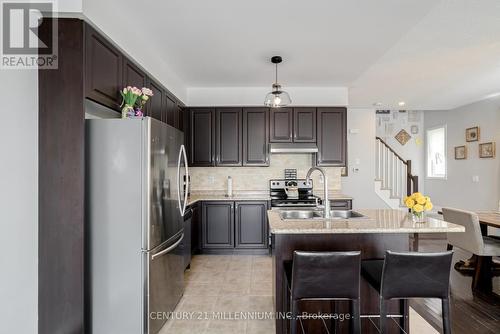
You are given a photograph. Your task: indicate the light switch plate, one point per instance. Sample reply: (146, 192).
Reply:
(475, 178)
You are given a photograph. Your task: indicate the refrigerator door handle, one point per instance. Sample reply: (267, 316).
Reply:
(186, 188)
(179, 183)
(168, 249)
(182, 155)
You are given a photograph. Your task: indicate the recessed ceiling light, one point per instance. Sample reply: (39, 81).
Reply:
(377, 104)
(401, 103)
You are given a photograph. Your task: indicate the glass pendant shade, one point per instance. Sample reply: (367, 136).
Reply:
(277, 98)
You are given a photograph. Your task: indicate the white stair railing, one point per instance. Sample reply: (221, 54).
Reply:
(393, 172)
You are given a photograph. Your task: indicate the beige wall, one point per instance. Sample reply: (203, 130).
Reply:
(257, 178)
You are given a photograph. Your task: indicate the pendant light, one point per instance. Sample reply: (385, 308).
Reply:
(277, 98)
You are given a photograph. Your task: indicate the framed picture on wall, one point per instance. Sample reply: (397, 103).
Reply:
(460, 152)
(487, 150)
(472, 134)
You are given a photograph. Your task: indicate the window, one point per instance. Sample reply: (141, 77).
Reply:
(436, 152)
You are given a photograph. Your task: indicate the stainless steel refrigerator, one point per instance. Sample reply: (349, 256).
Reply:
(135, 202)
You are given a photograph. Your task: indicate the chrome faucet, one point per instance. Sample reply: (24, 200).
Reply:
(326, 201)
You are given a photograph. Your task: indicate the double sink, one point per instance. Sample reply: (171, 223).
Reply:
(318, 214)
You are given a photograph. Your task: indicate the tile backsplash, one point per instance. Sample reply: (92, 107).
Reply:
(257, 178)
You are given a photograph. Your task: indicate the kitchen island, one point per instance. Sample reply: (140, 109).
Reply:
(372, 234)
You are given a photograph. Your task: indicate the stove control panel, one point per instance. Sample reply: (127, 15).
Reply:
(281, 184)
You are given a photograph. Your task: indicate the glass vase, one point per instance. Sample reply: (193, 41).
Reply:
(418, 217)
(127, 110)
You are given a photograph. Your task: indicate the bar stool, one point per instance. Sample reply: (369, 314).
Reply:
(323, 276)
(410, 275)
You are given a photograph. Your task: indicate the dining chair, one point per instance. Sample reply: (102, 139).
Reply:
(472, 241)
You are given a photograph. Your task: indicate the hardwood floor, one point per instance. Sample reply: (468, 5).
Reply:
(470, 314)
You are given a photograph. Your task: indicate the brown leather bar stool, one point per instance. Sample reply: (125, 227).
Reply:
(322, 276)
(410, 275)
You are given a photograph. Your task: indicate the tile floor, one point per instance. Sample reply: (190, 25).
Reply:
(220, 287)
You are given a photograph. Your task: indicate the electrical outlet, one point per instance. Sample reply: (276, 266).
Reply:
(475, 178)
(211, 179)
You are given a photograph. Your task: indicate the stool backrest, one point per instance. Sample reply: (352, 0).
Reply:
(414, 275)
(326, 275)
(471, 240)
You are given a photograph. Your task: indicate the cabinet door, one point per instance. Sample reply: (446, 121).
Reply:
(156, 105)
(171, 110)
(332, 136)
(255, 137)
(179, 117)
(132, 75)
(202, 137)
(304, 125)
(195, 230)
(103, 77)
(251, 224)
(218, 224)
(228, 137)
(281, 125)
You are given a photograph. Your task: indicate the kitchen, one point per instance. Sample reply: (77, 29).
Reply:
(195, 196)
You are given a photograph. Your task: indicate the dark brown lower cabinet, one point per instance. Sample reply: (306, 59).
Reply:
(195, 230)
(228, 224)
(251, 224)
(218, 224)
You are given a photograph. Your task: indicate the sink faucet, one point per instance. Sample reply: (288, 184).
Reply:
(326, 201)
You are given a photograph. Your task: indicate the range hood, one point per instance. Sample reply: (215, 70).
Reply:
(294, 148)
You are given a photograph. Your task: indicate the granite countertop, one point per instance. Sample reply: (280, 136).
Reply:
(248, 196)
(376, 221)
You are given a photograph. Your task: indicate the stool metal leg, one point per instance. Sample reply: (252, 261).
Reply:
(294, 323)
(404, 320)
(383, 316)
(445, 303)
(356, 319)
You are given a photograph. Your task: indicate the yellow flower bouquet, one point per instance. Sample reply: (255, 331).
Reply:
(418, 204)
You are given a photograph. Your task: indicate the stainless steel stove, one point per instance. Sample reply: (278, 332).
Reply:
(278, 192)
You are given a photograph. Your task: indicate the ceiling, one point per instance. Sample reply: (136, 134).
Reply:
(431, 54)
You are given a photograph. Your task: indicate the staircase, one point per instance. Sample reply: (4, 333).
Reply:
(393, 177)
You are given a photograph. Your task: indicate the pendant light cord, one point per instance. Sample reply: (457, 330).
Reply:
(276, 81)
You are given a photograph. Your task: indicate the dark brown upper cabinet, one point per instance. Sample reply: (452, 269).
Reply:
(179, 117)
(256, 136)
(202, 137)
(289, 125)
(281, 125)
(171, 111)
(228, 137)
(103, 73)
(304, 125)
(132, 75)
(156, 105)
(332, 136)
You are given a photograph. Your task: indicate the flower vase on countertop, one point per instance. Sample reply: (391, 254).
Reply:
(418, 204)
